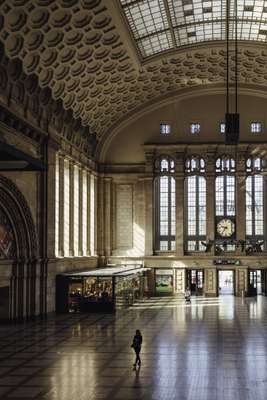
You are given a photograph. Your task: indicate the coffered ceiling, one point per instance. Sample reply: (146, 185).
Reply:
(85, 54)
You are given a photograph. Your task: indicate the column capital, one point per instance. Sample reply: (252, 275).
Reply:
(149, 160)
(241, 162)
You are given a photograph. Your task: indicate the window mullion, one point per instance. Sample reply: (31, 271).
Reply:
(253, 204)
(224, 195)
(169, 213)
(197, 211)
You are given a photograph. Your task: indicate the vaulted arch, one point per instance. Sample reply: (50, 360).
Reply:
(19, 250)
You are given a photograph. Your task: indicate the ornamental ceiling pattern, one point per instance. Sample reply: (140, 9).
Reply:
(75, 49)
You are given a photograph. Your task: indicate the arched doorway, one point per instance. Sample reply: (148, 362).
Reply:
(18, 255)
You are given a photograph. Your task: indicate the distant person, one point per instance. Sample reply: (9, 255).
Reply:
(136, 345)
(187, 295)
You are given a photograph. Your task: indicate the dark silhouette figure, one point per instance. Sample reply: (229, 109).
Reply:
(136, 345)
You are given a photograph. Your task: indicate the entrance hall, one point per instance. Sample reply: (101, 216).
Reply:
(226, 282)
(202, 351)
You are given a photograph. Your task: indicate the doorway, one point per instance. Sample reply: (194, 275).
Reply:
(226, 282)
(195, 281)
(256, 282)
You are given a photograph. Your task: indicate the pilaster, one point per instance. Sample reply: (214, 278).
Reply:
(61, 207)
(179, 197)
(71, 208)
(210, 282)
(107, 215)
(80, 245)
(95, 225)
(210, 199)
(241, 197)
(148, 187)
(88, 226)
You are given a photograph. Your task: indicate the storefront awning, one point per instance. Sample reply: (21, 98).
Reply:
(122, 270)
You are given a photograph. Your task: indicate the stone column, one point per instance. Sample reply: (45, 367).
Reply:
(61, 207)
(241, 281)
(210, 200)
(88, 250)
(210, 282)
(99, 221)
(179, 197)
(80, 246)
(107, 215)
(180, 281)
(51, 176)
(240, 199)
(95, 179)
(71, 206)
(148, 187)
(179, 194)
(151, 282)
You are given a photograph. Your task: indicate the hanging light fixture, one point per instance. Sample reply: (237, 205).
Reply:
(231, 119)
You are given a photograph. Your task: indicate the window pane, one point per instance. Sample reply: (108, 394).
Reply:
(219, 190)
(76, 211)
(92, 215)
(84, 217)
(66, 208)
(230, 195)
(167, 211)
(254, 206)
(196, 210)
(163, 245)
(56, 206)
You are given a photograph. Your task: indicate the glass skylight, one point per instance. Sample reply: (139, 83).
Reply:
(161, 25)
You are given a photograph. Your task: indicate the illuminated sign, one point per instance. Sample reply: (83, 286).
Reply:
(226, 261)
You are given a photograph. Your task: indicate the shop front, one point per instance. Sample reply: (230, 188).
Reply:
(101, 290)
(163, 282)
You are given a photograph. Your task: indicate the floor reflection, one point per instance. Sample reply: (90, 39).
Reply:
(213, 348)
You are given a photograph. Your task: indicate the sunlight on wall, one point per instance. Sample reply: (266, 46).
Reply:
(139, 239)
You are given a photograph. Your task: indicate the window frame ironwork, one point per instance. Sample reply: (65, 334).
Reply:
(171, 223)
(195, 167)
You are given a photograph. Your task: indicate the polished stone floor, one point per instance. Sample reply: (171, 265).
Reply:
(211, 349)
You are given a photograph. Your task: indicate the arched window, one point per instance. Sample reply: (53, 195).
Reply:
(165, 204)
(225, 208)
(194, 164)
(195, 189)
(255, 189)
(225, 164)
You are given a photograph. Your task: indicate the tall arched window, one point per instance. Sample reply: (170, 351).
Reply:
(225, 208)
(165, 204)
(255, 188)
(195, 187)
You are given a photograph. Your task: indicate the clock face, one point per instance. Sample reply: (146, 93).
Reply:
(225, 227)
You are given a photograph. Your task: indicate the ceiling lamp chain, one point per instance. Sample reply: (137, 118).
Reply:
(231, 119)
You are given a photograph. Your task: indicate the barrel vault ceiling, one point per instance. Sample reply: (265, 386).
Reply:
(78, 49)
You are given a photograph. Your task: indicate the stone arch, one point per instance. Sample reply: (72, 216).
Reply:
(22, 264)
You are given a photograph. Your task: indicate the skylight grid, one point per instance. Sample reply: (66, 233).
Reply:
(154, 44)
(188, 11)
(146, 17)
(156, 23)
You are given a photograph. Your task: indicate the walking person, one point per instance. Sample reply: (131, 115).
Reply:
(136, 345)
(187, 295)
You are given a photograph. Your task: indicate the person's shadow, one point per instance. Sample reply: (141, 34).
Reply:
(136, 382)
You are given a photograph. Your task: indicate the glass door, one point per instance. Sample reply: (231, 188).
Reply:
(252, 283)
(226, 282)
(263, 282)
(195, 281)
